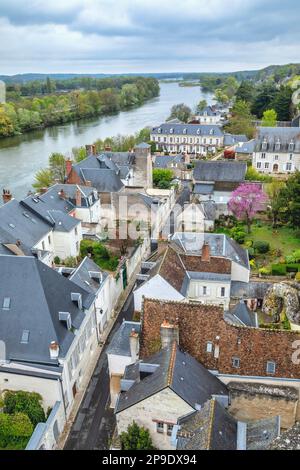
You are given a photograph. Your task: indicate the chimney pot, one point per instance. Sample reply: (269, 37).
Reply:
(54, 350)
(6, 196)
(90, 149)
(69, 164)
(134, 345)
(205, 256)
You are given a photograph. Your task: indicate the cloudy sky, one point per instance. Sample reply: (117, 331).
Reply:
(115, 36)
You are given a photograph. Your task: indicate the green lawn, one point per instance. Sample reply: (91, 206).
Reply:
(283, 238)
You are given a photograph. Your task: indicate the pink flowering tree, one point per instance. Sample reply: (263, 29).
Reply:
(246, 201)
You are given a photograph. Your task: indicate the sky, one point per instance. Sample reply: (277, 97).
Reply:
(122, 36)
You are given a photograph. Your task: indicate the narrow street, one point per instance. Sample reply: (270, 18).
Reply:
(95, 421)
(183, 197)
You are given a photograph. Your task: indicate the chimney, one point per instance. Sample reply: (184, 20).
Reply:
(62, 194)
(88, 183)
(69, 164)
(78, 197)
(54, 350)
(169, 332)
(90, 149)
(205, 256)
(134, 345)
(6, 196)
(18, 242)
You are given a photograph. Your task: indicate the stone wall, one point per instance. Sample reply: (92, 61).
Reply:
(251, 401)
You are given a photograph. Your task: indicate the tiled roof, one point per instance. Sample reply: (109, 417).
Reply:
(208, 130)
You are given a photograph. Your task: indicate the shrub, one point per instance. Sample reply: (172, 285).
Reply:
(25, 402)
(297, 277)
(265, 271)
(278, 269)
(238, 234)
(57, 260)
(293, 267)
(70, 262)
(261, 246)
(136, 438)
(15, 430)
(251, 252)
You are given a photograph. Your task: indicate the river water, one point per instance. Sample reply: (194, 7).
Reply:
(22, 156)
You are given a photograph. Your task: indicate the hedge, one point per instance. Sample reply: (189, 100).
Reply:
(283, 269)
(27, 403)
(261, 246)
(15, 431)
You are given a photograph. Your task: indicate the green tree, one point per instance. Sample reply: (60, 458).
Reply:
(241, 120)
(79, 153)
(282, 103)
(269, 118)
(43, 179)
(221, 97)
(29, 403)
(161, 177)
(201, 105)
(6, 126)
(136, 438)
(180, 111)
(273, 191)
(15, 431)
(290, 201)
(57, 165)
(245, 92)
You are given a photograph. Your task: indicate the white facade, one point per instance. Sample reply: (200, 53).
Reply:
(158, 288)
(67, 243)
(206, 119)
(187, 143)
(89, 215)
(272, 162)
(210, 292)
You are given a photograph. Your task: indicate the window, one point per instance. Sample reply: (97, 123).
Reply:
(169, 429)
(204, 290)
(291, 156)
(76, 231)
(288, 167)
(25, 337)
(6, 303)
(258, 165)
(271, 367)
(236, 362)
(209, 347)
(43, 245)
(276, 157)
(263, 155)
(77, 246)
(160, 427)
(222, 291)
(49, 239)
(266, 165)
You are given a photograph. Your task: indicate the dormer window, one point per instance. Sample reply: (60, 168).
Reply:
(184, 130)
(264, 144)
(6, 303)
(77, 297)
(198, 131)
(171, 131)
(277, 145)
(159, 130)
(291, 146)
(66, 318)
(211, 132)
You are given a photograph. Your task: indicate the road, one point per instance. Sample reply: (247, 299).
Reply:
(95, 421)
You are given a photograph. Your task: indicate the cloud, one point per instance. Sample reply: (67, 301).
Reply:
(153, 35)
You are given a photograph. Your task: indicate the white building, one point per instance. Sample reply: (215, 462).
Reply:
(195, 267)
(187, 138)
(48, 332)
(210, 115)
(277, 150)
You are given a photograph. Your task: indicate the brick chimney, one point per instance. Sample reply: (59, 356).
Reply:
(90, 149)
(69, 164)
(54, 350)
(6, 196)
(78, 197)
(205, 256)
(62, 194)
(169, 332)
(134, 345)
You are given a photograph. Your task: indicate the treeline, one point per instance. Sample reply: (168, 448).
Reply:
(26, 114)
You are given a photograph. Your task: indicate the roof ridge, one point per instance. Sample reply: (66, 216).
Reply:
(211, 416)
(172, 364)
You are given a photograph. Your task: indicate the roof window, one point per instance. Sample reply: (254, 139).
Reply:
(6, 303)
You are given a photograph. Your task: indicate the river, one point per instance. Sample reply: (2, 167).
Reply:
(22, 156)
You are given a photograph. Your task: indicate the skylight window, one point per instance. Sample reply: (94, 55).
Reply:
(25, 337)
(12, 225)
(26, 214)
(6, 303)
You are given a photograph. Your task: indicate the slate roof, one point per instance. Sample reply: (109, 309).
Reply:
(119, 345)
(220, 245)
(35, 307)
(209, 111)
(178, 371)
(220, 171)
(164, 161)
(191, 129)
(246, 147)
(241, 314)
(289, 440)
(104, 180)
(204, 189)
(285, 135)
(213, 428)
(231, 139)
(17, 223)
(82, 277)
(250, 290)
